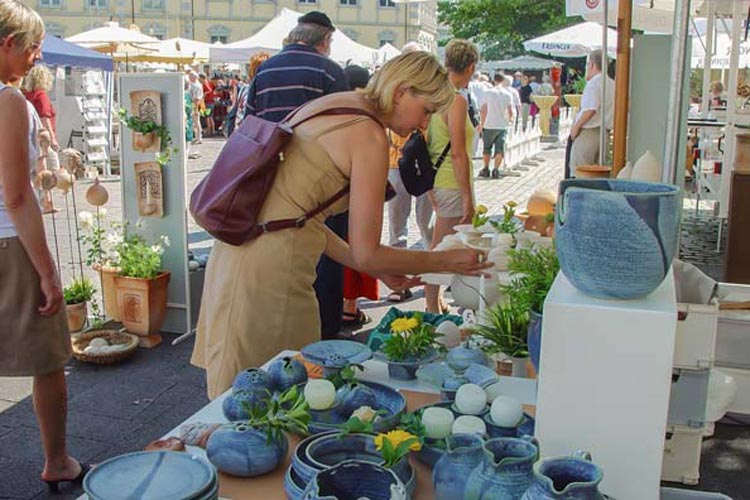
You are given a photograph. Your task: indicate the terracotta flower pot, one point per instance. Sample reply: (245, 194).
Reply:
(142, 142)
(77, 315)
(109, 294)
(593, 172)
(142, 303)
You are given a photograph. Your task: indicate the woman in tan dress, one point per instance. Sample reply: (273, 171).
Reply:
(258, 298)
(34, 338)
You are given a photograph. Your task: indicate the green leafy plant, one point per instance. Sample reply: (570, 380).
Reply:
(137, 124)
(395, 445)
(579, 85)
(346, 375)
(288, 412)
(533, 270)
(79, 291)
(411, 422)
(480, 217)
(138, 259)
(411, 338)
(505, 329)
(508, 224)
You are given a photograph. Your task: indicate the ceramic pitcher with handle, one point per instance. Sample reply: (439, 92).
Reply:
(506, 470)
(566, 478)
(463, 454)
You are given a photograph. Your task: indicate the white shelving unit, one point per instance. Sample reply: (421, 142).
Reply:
(94, 109)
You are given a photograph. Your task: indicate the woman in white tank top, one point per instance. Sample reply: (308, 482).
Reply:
(34, 338)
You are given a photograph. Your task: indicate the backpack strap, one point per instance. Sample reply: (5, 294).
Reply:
(442, 156)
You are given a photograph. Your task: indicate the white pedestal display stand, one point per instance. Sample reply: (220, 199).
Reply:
(173, 223)
(604, 384)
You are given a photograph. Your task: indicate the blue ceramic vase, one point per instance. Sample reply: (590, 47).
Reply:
(459, 358)
(616, 239)
(449, 475)
(534, 338)
(407, 369)
(252, 380)
(235, 405)
(240, 450)
(566, 478)
(352, 479)
(286, 372)
(506, 470)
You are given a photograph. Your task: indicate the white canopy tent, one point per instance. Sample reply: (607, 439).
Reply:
(271, 36)
(573, 41)
(526, 63)
(121, 43)
(386, 52)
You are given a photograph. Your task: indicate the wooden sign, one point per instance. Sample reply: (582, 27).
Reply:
(150, 189)
(146, 105)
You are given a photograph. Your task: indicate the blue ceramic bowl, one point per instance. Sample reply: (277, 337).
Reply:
(293, 485)
(336, 354)
(433, 449)
(406, 370)
(352, 479)
(616, 239)
(524, 428)
(386, 398)
(480, 375)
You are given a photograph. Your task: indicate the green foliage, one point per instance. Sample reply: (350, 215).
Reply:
(579, 85)
(346, 375)
(412, 423)
(696, 83)
(136, 124)
(288, 412)
(80, 290)
(500, 27)
(533, 271)
(412, 343)
(508, 224)
(138, 259)
(506, 329)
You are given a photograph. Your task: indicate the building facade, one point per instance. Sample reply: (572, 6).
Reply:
(369, 22)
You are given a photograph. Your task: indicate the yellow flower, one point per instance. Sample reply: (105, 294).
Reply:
(481, 209)
(512, 204)
(396, 437)
(400, 325)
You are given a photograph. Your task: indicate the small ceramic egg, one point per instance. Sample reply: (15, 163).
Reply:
(493, 391)
(438, 422)
(471, 399)
(320, 394)
(451, 336)
(193, 265)
(469, 424)
(98, 342)
(506, 411)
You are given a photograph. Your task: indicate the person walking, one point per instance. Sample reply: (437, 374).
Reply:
(209, 97)
(34, 338)
(195, 89)
(584, 143)
(36, 86)
(258, 298)
(496, 114)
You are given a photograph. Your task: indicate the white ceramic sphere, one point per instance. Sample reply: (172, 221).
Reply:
(506, 411)
(98, 342)
(438, 422)
(469, 424)
(451, 336)
(320, 394)
(471, 399)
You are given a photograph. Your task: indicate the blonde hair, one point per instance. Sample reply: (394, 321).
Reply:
(22, 22)
(420, 71)
(39, 78)
(460, 54)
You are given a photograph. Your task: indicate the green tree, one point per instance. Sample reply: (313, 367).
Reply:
(501, 26)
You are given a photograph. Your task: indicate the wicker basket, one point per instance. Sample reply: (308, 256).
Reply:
(113, 337)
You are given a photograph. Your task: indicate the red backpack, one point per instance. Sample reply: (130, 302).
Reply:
(227, 202)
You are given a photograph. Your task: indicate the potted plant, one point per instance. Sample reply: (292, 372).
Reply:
(141, 285)
(533, 271)
(100, 238)
(412, 343)
(574, 99)
(259, 445)
(76, 296)
(146, 132)
(504, 328)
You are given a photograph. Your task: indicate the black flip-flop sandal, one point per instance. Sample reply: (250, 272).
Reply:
(54, 486)
(355, 319)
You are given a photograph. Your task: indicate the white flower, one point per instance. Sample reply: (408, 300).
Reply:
(86, 219)
(165, 240)
(102, 213)
(114, 239)
(157, 249)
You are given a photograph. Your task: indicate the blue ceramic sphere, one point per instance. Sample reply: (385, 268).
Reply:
(286, 372)
(234, 406)
(240, 450)
(616, 239)
(252, 380)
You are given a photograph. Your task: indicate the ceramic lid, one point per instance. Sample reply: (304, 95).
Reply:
(336, 353)
(151, 475)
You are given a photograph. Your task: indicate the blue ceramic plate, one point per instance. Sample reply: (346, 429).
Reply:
(386, 398)
(150, 475)
(336, 353)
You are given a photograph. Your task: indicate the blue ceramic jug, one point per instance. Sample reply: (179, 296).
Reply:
(506, 470)
(566, 478)
(463, 454)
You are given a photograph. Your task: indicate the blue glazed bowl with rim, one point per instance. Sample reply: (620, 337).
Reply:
(616, 239)
(352, 479)
(524, 428)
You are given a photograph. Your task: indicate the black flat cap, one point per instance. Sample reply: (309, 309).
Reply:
(317, 17)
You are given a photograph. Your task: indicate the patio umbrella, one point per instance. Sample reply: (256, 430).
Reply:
(573, 41)
(176, 51)
(527, 63)
(121, 43)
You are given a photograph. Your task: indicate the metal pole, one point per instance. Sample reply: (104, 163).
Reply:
(709, 48)
(673, 157)
(132, 11)
(602, 107)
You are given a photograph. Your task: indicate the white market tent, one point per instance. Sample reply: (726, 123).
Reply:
(271, 36)
(573, 41)
(526, 63)
(176, 50)
(120, 43)
(387, 52)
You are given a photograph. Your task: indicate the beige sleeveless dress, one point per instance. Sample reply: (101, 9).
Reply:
(258, 298)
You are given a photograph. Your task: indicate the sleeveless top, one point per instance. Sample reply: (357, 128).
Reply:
(439, 136)
(7, 229)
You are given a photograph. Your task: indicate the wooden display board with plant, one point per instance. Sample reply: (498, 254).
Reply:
(148, 127)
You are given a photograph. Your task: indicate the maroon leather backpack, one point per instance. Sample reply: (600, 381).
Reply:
(227, 202)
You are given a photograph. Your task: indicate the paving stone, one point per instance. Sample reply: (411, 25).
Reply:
(23, 444)
(15, 388)
(124, 400)
(19, 478)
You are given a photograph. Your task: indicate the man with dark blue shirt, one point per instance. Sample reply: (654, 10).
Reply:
(299, 73)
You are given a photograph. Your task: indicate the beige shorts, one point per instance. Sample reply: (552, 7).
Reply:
(448, 203)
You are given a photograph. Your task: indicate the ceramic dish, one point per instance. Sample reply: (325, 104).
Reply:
(336, 353)
(524, 427)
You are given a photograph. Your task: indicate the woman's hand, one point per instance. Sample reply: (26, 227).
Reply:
(398, 283)
(466, 261)
(52, 295)
(468, 210)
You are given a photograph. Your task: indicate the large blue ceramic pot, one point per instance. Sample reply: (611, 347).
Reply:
(241, 450)
(352, 479)
(534, 338)
(566, 478)
(616, 239)
(506, 471)
(450, 473)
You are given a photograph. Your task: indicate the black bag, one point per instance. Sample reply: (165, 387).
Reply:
(415, 165)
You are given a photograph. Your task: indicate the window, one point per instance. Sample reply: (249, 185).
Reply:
(387, 3)
(218, 33)
(155, 30)
(307, 1)
(97, 4)
(55, 29)
(351, 34)
(50, 4)
(153, 4)
(218, 38)
(387, 37)
(351, 3)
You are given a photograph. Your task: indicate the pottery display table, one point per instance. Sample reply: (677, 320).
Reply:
(271, 486)
(545, 103)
